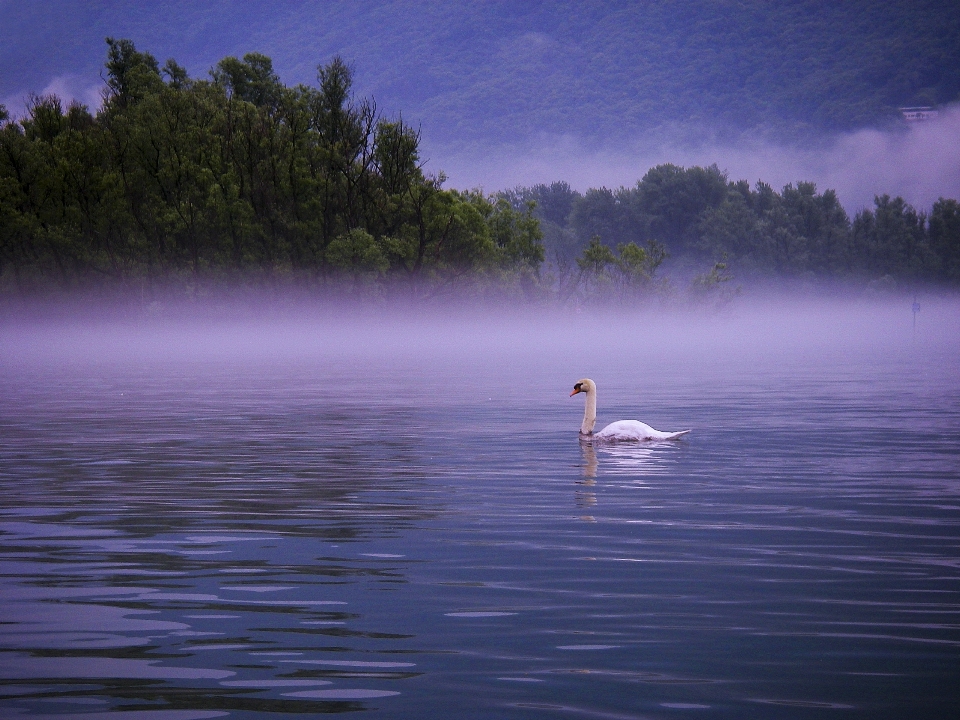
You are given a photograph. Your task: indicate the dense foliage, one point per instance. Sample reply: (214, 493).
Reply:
(183, 182)
(699, 217)
(505, 70)
(178, 180)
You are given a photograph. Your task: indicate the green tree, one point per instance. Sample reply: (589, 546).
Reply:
(252, 80)
(131, 75)
(597, 213)
(945, 238)
(732, 229)
(714, 286)
(891, 240)
(668, 203)
(823, 227)
(361, 259)
(625, 276)
(516, 234)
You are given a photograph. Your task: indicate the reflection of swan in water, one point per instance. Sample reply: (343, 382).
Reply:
(622, 459)
(589, 462)
(586, 498)
(619, 431)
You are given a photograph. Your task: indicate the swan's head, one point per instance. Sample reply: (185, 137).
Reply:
(586, 385)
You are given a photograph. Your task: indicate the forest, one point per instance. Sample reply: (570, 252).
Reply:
(238, 179)
(697, 216)
(177, 184)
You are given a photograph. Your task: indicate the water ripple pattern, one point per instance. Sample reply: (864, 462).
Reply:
(388, 526)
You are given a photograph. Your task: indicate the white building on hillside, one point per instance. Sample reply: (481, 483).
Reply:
(919, 114)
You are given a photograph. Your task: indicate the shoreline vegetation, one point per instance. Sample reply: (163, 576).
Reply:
(183, 187)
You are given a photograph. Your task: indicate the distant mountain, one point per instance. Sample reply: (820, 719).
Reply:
(502, 70)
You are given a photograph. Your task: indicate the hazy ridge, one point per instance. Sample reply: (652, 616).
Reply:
(498, 72)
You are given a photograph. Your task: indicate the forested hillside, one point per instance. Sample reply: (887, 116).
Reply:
(507, 71)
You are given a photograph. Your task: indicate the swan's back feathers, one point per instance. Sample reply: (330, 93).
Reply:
(627, 430)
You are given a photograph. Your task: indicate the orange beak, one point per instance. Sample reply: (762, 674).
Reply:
(575, 391)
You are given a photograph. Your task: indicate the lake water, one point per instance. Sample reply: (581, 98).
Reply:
(396, 518)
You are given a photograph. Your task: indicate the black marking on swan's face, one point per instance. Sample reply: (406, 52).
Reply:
(578, 387)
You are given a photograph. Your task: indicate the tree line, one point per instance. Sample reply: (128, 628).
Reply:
(177, 180)
(237, 178)
(699, 217)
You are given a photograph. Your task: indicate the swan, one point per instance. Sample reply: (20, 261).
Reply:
(619, 431)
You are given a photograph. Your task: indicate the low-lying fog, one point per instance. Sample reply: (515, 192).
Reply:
(545, 350)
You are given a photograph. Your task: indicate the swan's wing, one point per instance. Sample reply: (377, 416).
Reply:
(627, 430)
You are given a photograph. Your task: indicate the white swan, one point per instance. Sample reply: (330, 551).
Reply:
(619, 431)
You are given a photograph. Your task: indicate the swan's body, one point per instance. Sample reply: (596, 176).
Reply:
(619, 431)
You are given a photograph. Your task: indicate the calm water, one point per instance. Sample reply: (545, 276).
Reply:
(397, 519)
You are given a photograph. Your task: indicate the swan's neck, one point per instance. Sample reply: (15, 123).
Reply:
(589, 413)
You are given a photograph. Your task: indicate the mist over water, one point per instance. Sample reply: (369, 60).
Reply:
(438, 336)
(316, 508)
(919, 162)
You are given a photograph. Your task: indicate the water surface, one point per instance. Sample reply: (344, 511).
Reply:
(396, 518)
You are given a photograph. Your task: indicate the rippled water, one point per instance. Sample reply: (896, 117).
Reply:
(252, 521)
